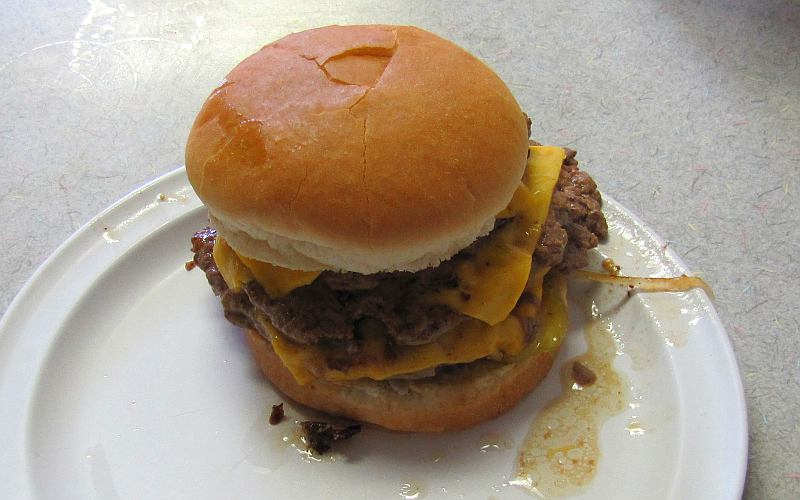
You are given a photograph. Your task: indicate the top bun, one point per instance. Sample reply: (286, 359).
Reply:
(357, 148)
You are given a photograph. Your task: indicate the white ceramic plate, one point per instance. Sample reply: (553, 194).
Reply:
(119, 378)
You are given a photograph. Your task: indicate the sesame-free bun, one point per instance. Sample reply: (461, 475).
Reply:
(474, 393)
(357, 148)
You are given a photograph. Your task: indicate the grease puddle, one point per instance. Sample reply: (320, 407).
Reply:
(560, 455)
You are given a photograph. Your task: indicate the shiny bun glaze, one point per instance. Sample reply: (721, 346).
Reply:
(357, 148)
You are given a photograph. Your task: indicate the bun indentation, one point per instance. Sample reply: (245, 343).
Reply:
(357, 69)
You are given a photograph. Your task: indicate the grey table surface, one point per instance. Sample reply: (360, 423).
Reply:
(686, 112)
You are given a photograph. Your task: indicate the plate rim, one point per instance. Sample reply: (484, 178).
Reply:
(38, 278)
(740, 402)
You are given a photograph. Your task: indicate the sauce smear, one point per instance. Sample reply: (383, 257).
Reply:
(559, 456)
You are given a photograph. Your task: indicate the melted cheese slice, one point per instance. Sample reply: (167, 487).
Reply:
(237, 270)
(468, 342)
(491, 281)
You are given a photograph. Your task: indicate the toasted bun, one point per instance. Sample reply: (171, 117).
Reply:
(358, 148)
(474, 393)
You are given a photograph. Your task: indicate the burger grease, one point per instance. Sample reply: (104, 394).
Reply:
(378, 214)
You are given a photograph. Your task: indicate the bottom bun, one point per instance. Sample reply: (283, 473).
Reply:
(460, 397)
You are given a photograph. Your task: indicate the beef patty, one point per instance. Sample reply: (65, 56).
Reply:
(330, 309)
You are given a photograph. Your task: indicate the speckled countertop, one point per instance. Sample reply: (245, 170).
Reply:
(686, 112)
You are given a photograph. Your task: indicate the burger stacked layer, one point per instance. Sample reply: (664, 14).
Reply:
(382, 228)
(482, 304)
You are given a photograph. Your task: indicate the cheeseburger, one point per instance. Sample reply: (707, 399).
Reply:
(383, 229)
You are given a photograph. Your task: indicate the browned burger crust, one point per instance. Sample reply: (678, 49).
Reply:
(471, 394)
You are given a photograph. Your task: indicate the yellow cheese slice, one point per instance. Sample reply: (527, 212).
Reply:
(534, 287)
(552, 323)
(237, 270)
(278, 281)
(468, 342)
(491, 281)
(232, 269)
